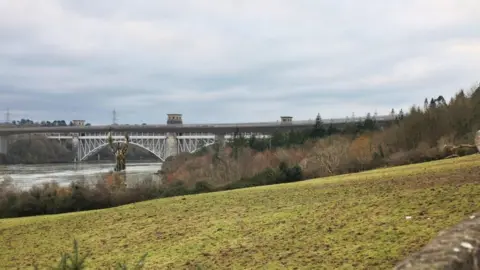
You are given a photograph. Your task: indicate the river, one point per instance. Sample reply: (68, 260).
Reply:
(24, 176)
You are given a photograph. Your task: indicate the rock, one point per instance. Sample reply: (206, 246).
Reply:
(455, 248)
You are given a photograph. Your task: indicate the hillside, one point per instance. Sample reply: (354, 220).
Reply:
(427, 132)
(39, 150)
(355, 221)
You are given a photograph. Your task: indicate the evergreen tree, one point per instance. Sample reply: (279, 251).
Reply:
(441, 100)
(251, 141)
(331, 129)
(318, 131)
(238, 142)
(278, 139)
(369, 123)
(392, 113)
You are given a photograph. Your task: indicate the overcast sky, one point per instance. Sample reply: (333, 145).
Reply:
(229, 61)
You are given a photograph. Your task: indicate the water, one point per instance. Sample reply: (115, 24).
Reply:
(25, 176)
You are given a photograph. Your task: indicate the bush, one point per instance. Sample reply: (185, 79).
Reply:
(269, 176)
(177, 188)
(202, 187)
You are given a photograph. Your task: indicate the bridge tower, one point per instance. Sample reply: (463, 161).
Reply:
(174, 118)
(171, 142)
(286, 119)
(3, 145)
(220, 139)
(76, 148)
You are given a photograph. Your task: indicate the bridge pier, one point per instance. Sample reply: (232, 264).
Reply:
(171, 145)
(171, 142)
(220, 139)
(4, 145)
(76, 149)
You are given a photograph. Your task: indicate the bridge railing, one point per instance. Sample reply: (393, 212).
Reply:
(134, 136)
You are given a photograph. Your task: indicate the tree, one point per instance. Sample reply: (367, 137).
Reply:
(369, 123)
(238, 142)
(278, 139)
(331, 130)
(441, 100)
(401, 115)
(330, 155)
(295, 138)
(252, 140)
(318, 131)
(362, 149)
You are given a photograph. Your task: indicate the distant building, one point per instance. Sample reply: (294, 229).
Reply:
(79, 123)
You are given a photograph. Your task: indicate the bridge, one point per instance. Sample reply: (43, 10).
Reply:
(165, 140)
(161, 145)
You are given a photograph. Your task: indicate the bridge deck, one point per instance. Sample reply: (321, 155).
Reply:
(185, 128)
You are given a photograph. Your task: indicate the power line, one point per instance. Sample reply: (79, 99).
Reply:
(7, 116)
(114, 117)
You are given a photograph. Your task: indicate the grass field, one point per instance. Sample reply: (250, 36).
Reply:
(355, 221)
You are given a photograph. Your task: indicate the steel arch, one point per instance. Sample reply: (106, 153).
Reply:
(95, 150)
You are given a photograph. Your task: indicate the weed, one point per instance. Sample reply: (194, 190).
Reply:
(75, 261)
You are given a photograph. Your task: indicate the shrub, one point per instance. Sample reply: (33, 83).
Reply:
(202, 187)
(75, 261)
(177, 188)
(269, 176)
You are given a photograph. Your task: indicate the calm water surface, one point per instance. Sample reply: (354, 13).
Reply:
(25, 176)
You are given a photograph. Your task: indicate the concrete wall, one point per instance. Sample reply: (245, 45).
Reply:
(3, 145)
(220, 139)
(454, 248)
(171, 145)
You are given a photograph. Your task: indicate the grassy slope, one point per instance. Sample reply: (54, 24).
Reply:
(355, 221)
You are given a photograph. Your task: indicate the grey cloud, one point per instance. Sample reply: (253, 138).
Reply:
(217, 61)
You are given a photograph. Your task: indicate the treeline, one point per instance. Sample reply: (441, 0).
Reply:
(31, 149)
(34, 149)
(421, 134)
(438, 121)
(281, 139)
(54, 123)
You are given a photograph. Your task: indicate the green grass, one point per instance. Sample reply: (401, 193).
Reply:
(354, 221)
